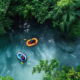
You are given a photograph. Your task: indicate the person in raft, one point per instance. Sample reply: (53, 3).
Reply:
(23, 58)
(31, 41)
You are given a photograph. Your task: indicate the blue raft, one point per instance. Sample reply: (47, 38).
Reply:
(19, 56)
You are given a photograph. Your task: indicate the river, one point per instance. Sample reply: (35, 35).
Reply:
(50, 46)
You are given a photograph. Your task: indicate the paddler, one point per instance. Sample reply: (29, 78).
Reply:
(23, 58)
(31, 40)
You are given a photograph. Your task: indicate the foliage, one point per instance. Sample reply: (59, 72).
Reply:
(4, 21)
(44, 9)
(27, 11)
(78, 68)
(66, 68)
(21, 8)
(75, 32)
(64, 3)
(41, 11)
(4, 4)
(67, 73)
(63, 13)
(6, 78)
(47, 68)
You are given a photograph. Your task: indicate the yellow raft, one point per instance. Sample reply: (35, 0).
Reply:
(28, 42)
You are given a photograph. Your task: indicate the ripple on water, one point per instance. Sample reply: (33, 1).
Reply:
(45, 49)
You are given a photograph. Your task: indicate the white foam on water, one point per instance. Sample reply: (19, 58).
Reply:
(8, 54)
(73, 56)
(24, 72)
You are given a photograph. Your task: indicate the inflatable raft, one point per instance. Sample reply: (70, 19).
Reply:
(34, 42)
(19, 56)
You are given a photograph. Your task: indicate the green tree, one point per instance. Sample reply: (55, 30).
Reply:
(78, 68)
(4, 20)
(47, 68)
(6, 78)
(65, 14)
(75, 30)
(43, 9)
(67, 73)
(21, 8)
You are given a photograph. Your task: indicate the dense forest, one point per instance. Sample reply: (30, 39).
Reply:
(64, 14)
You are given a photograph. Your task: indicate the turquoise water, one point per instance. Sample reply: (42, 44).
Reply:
(47, 48)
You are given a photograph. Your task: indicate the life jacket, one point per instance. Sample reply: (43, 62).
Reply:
(23, 58)
(29, 42)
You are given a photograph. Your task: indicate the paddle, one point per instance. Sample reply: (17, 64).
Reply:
(21, 62)
(25, 39)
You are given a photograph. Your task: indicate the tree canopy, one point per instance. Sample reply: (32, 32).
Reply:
(6, 78)
(64, 14)
(66, 73)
